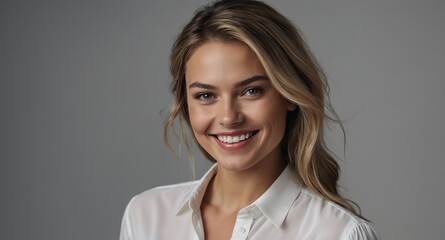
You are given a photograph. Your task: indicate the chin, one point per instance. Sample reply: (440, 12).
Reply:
(236, 164)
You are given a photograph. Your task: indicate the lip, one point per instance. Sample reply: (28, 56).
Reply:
(234, 133)
(234, 146)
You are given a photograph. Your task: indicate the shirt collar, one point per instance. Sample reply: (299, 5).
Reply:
(276, 202)
(192, 197)
(274, 208)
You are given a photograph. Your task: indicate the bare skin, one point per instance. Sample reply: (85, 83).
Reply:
(228, 193)
(230, 97)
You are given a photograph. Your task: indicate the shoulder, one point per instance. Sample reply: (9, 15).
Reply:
(168, 195)
(332, 218)
(154, 205)
(148, 213)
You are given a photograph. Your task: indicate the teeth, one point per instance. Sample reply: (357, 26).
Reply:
(234, 139)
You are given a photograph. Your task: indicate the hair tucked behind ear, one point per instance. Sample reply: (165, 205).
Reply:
(293, 72)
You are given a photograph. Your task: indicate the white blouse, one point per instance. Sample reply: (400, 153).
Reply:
(285, 211)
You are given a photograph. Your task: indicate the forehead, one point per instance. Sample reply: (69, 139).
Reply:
(215, 60)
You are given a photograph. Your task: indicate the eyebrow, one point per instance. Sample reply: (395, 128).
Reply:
(238, 84)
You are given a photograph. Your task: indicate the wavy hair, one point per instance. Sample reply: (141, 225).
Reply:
(293, 72)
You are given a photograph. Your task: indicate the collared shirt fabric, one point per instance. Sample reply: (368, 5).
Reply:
(285, 211)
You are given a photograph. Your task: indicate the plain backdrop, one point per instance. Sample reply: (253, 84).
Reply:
(85, 87)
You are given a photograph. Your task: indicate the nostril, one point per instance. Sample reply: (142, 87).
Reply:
(233, 119)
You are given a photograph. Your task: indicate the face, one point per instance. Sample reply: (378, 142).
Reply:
(235, 113)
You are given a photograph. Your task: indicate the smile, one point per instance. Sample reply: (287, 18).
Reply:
(235, 139)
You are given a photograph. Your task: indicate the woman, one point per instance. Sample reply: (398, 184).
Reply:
(253, 96)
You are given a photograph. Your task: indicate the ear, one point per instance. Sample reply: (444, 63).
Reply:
(291, 107)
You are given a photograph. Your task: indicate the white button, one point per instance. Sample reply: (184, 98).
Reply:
(242, 230)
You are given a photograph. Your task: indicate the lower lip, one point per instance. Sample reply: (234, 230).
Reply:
(233, 146)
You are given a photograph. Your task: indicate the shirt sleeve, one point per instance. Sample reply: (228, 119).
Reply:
(125, 233)
(363, 231)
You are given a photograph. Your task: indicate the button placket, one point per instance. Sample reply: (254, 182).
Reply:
(243, 223)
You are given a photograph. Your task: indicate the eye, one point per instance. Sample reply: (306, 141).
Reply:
(254, 91)
(205, 96)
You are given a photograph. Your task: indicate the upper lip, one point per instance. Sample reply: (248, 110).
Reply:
(234, 133)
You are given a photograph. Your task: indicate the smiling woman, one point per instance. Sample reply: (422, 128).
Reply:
(224, 105)
(254, 98)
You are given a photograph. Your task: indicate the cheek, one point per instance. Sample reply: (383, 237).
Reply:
(199, 119)
(273, 112)
(273, 119)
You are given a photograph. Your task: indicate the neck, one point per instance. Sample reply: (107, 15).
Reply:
(232, 191)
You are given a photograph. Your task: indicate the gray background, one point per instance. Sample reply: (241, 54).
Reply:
(83, 86)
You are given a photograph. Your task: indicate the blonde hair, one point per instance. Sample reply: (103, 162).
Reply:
(293, 72)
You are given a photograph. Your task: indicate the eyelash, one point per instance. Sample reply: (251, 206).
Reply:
(205, 96)
(208, 96)
(257, 89)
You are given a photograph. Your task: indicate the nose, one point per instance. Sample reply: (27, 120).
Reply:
(230, 114)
